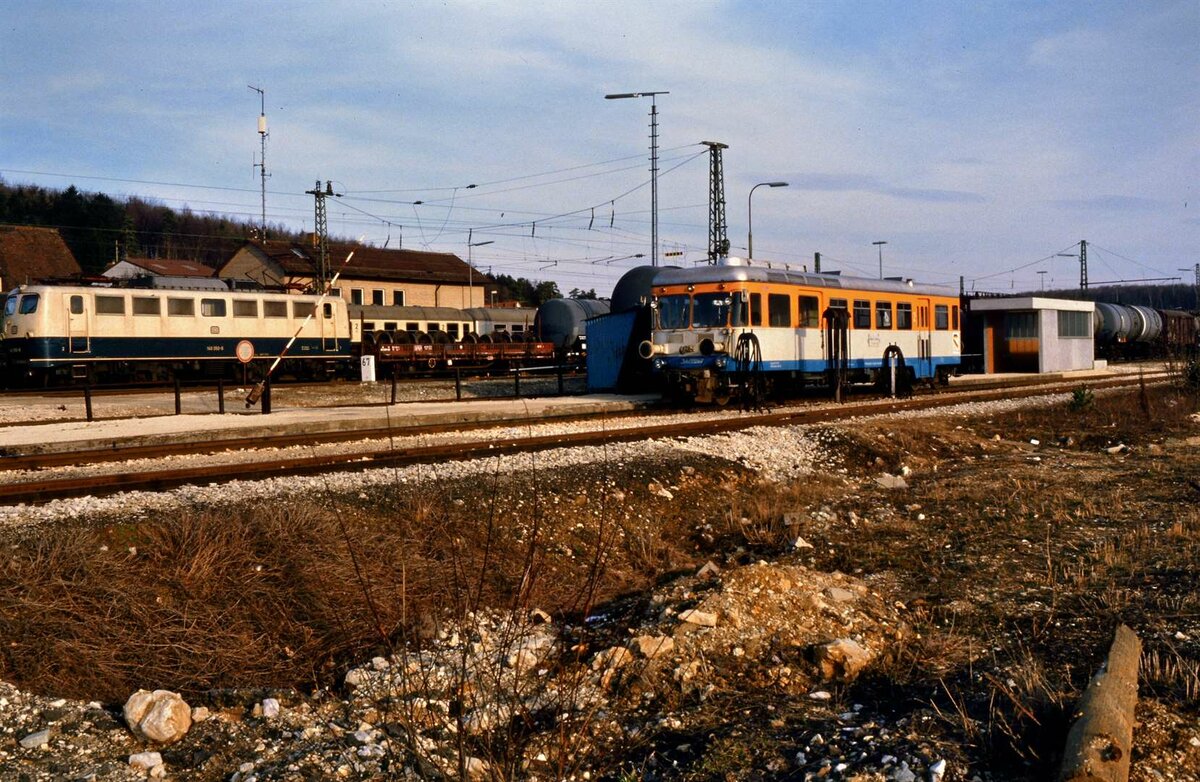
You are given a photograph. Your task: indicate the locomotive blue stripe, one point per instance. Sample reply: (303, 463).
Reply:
(808, 366)
(56, 350)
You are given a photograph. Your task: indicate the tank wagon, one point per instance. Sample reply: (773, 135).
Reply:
(563, 322)
(1134, 331)
(720, 329)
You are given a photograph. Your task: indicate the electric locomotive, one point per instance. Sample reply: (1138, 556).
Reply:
(715, 327)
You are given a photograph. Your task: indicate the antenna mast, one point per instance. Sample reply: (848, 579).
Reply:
(718, 238)
(261, 165)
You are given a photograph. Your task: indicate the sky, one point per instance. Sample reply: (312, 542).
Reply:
(977, 139)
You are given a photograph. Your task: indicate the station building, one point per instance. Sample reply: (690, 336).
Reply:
(1029, 334)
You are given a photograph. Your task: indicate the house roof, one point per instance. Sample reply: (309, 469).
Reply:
(371, 263)
(29, 253)
(172, 268)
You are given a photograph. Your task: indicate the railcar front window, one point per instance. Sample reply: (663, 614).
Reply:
(10, 306)
(673, 311)
(710, 310)
(29, 304)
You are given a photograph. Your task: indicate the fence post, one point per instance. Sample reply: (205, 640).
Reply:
(87, 402)
(517, 382)
(395, 371)
(178, 401)
(266, 397)
(221, 397)
(457, 384)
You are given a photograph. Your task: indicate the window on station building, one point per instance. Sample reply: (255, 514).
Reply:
(883, 314)
(377, 298)
(356, 296)
(904, 318)
(810, 315)
(941, 317)
(779, 310)
(1020, 325)
(147, 305)
(1074, 325)
(110, 305)
(397, 298)
(862, 314)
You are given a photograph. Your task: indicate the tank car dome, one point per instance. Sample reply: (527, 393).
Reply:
(1114, 322)
(633, 289)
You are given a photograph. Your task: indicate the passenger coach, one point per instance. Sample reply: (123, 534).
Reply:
(716, 325)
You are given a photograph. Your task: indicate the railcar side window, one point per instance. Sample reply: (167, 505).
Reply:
(883, 314)
(779, 310)
(29, 303)
(245, 308)
(274, 309)
(413, 326)
(941, 317)
(181, 308)
(105, 305)
(837, 304)
(810, 317)
(755, 309)
(303, 309)
(710, 310)
(76, 305)
(389, 326)
(954, 317)
(147, 305)
(904, 316)
(212, 308)
(452, 330)
(673, 311)
(739, 313)
(862, 314)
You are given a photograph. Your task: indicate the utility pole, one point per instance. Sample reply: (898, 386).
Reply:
(261, 165)
(321, 229)
(718, 239)
(1083, 281)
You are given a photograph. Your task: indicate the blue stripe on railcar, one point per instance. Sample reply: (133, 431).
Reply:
(56, 350)
(807, 366)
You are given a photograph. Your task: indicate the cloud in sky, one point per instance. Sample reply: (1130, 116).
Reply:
(972, 137)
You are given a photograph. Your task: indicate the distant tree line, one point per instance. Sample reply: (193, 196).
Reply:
(1177, 296)
(100, 229)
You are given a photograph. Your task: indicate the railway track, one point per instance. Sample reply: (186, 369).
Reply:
(39, 491)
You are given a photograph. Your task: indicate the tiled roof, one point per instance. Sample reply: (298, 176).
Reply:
(172, 268)
(29, 253)
(372, 263)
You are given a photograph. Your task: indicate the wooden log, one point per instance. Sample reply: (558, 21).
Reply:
(1100, 741)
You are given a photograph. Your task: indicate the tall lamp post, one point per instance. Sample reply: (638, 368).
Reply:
(471, 271)
(750, 215)
(653, 163)
(880, 245)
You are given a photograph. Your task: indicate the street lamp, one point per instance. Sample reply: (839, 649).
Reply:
(653, 163)
(880, 245)
(471, 270)
(750, 215)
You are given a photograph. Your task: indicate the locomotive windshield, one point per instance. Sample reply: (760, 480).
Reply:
(711, 310)
(29, 303)
(673, 311)
(10, 305)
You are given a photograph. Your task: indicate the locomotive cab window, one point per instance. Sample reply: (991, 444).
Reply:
(212, 308)
(274, 309)
(29, 304)
(673, 311)
(904, 319)
(711, 310)
(862, 314)
(883, 314)
(245, 308)
(76, 305)
(106, 305)
(181, 308)
(941, 317)
(147, 305)
(779, 310)
(327, 310)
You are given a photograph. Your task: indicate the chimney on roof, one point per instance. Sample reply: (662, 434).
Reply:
(312, 238)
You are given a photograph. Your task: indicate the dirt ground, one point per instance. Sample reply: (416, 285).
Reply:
(995, 577)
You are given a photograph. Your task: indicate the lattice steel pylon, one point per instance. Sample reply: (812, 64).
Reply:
(718, 238)
(321, 231)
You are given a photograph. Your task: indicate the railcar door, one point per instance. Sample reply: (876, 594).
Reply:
(328, 325)
(924, 329)
(78, 334)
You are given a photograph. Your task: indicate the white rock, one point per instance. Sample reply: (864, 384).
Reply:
(200, 714)
(937, 770)
(38, 739)
(701, 618)
(801, 543)
(891, 481)
(820, 695)
(270, 708)
(160, 716)
(145, 760)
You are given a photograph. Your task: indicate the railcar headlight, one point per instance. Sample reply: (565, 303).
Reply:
(659, 363)
(720, 362)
